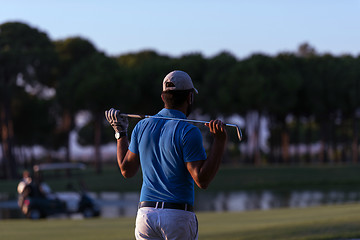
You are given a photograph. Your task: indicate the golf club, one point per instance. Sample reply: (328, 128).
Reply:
(238, 130)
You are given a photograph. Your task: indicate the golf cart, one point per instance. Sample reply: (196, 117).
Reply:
(37, 200)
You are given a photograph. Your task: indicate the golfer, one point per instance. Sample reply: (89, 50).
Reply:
(172, 158)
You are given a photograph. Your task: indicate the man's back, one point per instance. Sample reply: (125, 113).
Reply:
(164, 146)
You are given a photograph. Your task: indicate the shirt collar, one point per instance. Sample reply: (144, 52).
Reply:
(172, 113)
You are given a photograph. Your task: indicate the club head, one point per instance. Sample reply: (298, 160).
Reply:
(238, 130)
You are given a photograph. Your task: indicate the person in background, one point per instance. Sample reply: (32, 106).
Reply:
(26, 180)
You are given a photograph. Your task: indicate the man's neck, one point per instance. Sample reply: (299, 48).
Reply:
(182, 109)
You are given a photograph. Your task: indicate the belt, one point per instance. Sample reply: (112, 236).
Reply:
(161, 205)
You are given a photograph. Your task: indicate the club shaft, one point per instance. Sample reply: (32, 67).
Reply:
(239, 133)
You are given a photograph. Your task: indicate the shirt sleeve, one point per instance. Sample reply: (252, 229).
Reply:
(193, 146)
(134, 145)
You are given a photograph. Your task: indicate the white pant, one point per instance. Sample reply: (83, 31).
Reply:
(169, 224)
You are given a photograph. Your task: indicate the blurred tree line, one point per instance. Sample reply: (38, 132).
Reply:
(309, 101)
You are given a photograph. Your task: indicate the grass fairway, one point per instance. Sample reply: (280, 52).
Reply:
(329, 222)
(281, 178)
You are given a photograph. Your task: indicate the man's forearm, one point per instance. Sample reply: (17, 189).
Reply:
(122, 148)
(211, 166)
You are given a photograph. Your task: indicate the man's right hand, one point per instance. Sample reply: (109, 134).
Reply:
(119, 123)
(217, 128)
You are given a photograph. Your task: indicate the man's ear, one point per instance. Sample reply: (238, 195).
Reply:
(191, 98)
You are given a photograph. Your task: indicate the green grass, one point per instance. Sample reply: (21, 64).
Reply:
(287, 178)
(284, 178)
(327, 222)
(330, 222)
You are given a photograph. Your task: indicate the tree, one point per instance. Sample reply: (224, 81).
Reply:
(27, 58)
(33, 119)
(72, 52)
(246, 86)
(217, 77)
(100, 86)
(283, 89)
(305, 50)
(144, 74)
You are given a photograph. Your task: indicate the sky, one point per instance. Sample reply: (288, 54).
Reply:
(175, 28)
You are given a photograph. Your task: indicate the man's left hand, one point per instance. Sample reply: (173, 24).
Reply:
(119, 123)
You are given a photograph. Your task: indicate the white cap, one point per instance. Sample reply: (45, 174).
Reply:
(178, 80)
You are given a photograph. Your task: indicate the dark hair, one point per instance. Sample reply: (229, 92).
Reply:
(175, 98)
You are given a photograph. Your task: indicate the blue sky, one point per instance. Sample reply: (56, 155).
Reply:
(205, 26)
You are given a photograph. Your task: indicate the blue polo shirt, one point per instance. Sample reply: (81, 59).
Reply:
(164, 146)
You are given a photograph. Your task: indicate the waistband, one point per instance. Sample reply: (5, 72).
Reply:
(162, 205)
